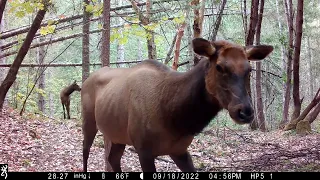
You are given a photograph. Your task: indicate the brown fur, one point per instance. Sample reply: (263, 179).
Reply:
(65, 97)
(158, 110)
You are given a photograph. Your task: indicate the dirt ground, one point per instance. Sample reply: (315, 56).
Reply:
(38, 144)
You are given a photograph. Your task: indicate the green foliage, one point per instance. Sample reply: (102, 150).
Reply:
(49, 29)
(20, 9)
(96, 9)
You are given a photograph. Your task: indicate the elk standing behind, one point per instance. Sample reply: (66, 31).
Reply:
(65, 97)
(158, 110)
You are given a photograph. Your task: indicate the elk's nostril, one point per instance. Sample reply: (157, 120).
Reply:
(242, 115)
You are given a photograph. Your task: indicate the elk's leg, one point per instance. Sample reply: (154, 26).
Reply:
(184, 162)
(146, 160)
(89, 132)
(64, 114)
(68, 109)
(115, 155)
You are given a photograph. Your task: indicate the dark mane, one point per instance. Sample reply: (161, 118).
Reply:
(189, 108)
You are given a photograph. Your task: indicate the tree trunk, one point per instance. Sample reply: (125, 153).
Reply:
(13, 71)
(260, 112)
(51, 98)
(286, 104)
(152, 50)
(105, 49)
(218, 21)
(120, 46)
(253, 22)
(196, 22)
(244, 17)
(2, 7)
(249, 41)
(178, 43)
(3, 71)
(313, 114)
(296, 61)
(41, 83)
(292, 124)
(309, 64)
(190, 56)
(168, 57)
(85, 43)
(145, 20)
(197, 29)
(284, 65)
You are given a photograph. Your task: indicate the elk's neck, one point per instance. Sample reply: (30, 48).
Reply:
(69, 91)
(192, 108)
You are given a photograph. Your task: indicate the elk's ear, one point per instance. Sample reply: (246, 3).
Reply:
(203, 47)
(258, 52)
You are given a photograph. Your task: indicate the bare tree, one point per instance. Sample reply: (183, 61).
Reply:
(197, 23)
(2, 7)
(41, 82)
(260, 112)
(85, 42)
(13, 71)
(296, 61)
(120, 46)
(249, 41)
(145, 20)
(309, 64)
(218, 21)
(178, 43)
(105, 48)
(286, 104)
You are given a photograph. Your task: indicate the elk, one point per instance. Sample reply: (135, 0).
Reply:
(65, 97)
(158, 110)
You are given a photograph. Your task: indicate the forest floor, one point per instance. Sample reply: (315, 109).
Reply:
(37, 144)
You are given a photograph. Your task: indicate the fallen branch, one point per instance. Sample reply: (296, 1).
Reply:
(293, 123)
(50, 42)
(67, 65)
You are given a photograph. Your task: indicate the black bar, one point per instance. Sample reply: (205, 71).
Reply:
(163, 175)
(71, 175)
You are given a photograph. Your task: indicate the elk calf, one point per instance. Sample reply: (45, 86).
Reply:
(65, 97)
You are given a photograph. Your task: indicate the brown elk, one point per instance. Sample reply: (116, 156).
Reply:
(65, 97)
(159, 111)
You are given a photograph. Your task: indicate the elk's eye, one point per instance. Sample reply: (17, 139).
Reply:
(219, 68)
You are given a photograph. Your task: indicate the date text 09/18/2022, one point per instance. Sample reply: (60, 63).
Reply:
(210, 175)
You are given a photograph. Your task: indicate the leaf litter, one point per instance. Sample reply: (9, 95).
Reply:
(42, 145)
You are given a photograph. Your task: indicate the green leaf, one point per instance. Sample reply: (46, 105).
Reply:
(27, 6)
(50, 22)
(51, 29)
(89, 8)
(123, 40)
(165, 18)
(100, 26)
(178, 20)
(20, 14)
(43, 31)
(40, 6)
